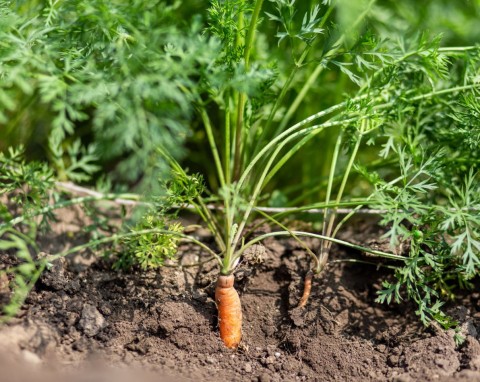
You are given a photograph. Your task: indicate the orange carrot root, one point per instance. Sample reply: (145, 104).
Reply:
(307, 287)
(229, 311)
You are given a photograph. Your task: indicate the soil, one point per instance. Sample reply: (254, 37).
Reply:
(83, 317)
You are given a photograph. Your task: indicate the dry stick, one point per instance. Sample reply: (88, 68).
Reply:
(52, 207)
(76, 189)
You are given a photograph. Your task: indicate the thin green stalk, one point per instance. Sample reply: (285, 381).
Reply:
(457, 48)
(261, 181)
(213, 146)
(325, 245)
(291, 211)
(282, 226)
(345, 219)
(229, 214)
(240, 25)
(287, 133)
(318, 206)
(251, 32)
(211, 222)
(343, 184)
(226, 268)
(239, 136)
(242, 96)
(115, 237)
(379, 163)
(382, 254)
(444, 91)
(323, 255)
(20, 299)
(286, 157)
(310, 208)
(227, 159)
(423, 96)
(331, 176)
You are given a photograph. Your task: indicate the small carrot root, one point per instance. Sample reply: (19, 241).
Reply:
(229, 311)
(307, 287)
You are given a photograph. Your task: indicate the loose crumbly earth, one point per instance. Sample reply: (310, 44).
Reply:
(84, 317)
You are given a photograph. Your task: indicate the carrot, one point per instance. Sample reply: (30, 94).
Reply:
(229, 311)
(307, 287)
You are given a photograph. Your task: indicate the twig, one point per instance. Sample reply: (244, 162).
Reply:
(76, 189)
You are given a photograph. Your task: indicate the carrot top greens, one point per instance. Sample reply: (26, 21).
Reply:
(236, 106)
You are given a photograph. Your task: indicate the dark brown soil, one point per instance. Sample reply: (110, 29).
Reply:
(83, 315)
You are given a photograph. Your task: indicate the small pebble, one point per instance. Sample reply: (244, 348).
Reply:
(210, 360)
(248, 367)
(270, 360)
(277, 354)
(264, 378)
(393, 360)
(30, 357)
(128, 358)
(91, 321)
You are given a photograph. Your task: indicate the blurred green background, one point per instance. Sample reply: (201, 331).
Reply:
(139, 102)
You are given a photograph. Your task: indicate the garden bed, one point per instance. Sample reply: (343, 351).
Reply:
(242, 113)
(83, 314)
